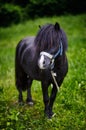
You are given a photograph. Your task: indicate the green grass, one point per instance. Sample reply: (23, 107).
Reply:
(70, 104)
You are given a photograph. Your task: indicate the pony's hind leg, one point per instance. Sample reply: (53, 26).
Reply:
(21, 82)
(19, 88)
(20, 98)
(29, 96)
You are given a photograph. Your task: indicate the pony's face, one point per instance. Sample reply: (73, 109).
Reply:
(44, 62)
(49, 45)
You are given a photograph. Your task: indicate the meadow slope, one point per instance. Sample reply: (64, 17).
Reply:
(70, 104)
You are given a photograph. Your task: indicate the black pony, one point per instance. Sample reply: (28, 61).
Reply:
(42, 58)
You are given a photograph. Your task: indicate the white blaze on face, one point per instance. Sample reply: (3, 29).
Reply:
(40, 63)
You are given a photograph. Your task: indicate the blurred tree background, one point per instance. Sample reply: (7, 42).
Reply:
(15, 11)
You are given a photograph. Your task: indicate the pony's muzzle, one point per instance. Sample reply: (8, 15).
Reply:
(44, 62)
(41, 62)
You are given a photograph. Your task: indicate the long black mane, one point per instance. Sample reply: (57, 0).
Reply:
(49, 37)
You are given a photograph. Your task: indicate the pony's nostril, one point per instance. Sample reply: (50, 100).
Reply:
(43, 62)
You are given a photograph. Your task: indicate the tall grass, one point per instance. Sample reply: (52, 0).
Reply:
(70, 104)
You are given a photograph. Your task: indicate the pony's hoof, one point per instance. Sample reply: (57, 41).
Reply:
(30, 103)
(50, 114)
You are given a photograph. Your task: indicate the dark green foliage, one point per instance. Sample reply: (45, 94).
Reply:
(37, 8)
(54, 7)
(41, 8)
(76, 6)
(22, 3)
(10, 14)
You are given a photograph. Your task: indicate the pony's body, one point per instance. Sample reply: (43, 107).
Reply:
(27, 66)
(28, 60)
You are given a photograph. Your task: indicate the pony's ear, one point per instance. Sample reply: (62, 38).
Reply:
(57, 26)
(39, 26)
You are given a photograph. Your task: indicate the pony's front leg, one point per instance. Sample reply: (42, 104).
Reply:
(45, 97)
(52, 99)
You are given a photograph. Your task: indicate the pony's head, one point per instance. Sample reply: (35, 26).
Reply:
(50, 44)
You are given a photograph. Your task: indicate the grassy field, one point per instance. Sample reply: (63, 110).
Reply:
(70, 104)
